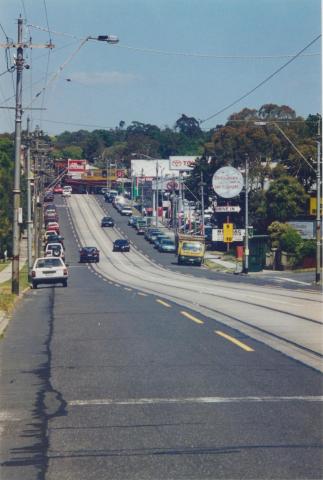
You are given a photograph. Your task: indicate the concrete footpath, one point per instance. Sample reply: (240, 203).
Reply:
(6, 275)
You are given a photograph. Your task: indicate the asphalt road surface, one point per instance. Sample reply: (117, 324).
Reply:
(136, 371)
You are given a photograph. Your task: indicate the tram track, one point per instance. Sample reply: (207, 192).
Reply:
(188, 283)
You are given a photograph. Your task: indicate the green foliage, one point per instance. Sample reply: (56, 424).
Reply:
(276, 230)
(6, 184)
(285, 199)
(290, 241)
(72, 151)
(307, 249)
(284, 237)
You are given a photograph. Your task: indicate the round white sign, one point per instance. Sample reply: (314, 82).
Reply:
(227, 182)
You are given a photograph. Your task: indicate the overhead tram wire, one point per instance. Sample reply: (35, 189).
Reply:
(262, 82)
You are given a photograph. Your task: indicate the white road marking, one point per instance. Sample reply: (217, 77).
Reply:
(291, 280)
(198, 400)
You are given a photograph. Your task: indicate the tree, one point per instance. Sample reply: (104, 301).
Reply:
(72, 151)
(285, 199)
(188, 126)
(6, 183)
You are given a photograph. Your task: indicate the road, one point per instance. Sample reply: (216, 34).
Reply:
(131, 373)
(282, 279)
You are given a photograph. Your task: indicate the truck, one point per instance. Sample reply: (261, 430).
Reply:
(190, 249)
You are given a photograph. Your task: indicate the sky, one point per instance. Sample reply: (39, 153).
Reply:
(174, 57)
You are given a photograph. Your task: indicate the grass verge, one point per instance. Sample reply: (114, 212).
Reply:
(8, 299)
(212, 265)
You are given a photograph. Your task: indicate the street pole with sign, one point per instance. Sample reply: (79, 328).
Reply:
(318, 215)
(246, 238)
(227, 182)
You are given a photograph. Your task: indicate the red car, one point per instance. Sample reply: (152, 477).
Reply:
(58, 189)
(53, 226)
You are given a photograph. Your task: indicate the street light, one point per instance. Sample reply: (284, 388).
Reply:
(106, 38)
(318, 190)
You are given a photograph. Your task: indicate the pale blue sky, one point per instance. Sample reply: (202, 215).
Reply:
(112, 83)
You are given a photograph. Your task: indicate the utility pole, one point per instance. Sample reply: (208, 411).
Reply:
(318, 208)
(19, 66)
(29, 220)
(202, 184)
(142, 191)
(246, 237)
(156, 201)
(16, 185)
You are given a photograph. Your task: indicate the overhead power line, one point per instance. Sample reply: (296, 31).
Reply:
(263, 81)
(79, 124)
(185, 54)
(210, 55)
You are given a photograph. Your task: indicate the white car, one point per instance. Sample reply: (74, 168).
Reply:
(50, 270)
(126, 211)
(66, 193)
(54, 249)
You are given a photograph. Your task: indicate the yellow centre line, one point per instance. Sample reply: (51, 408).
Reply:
(163, 303)
(235, 341)
(129, 289)
(142, 294)
(194, 319)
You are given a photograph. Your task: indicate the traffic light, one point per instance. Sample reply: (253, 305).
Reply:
(228, 232)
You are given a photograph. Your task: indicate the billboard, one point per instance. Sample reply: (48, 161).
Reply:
(166, 184)
(182, 163)
(306, 229)
(76, 166)
(148, 168)
(227, 182)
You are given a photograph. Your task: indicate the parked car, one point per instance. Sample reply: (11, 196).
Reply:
(89, 254)
(48, 197)
(150, 231)
(141, 227)
(154, 235)
(107, 222)
(127, 211)
(52, 226)
(167, 245)
(50, 208)
(135, 219)
(158, 239)
(121, 245)
(58, 189)
(49, 270)
(54, 249)
(66, 193)
(52, 237)
(50, 217)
